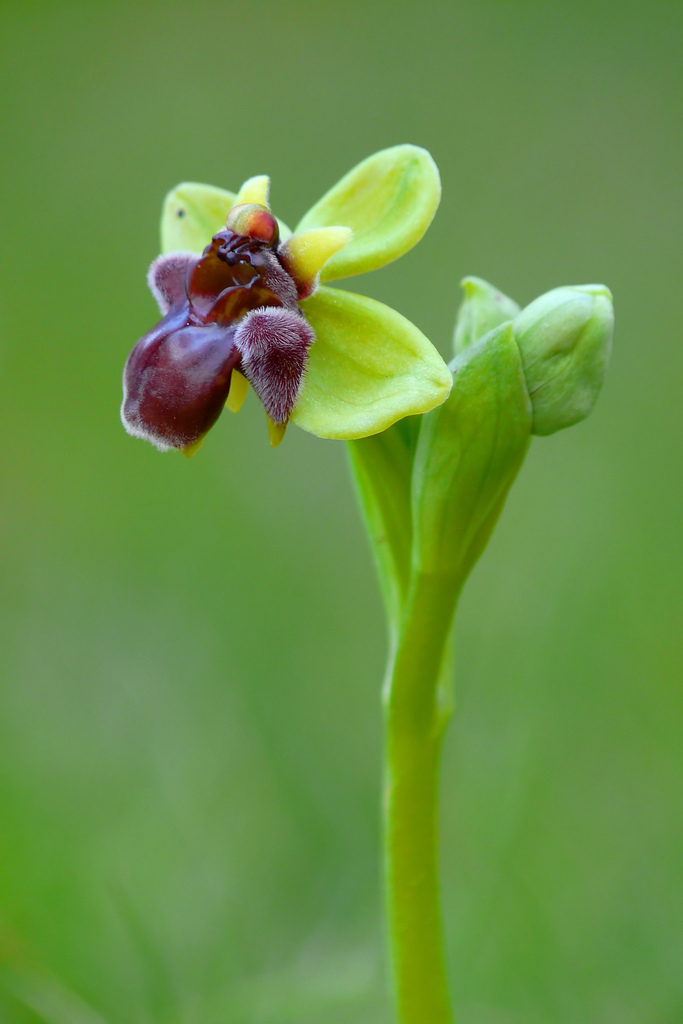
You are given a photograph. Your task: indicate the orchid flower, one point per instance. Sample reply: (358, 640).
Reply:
(243, 304)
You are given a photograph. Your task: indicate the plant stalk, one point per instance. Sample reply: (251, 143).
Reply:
(415, 718)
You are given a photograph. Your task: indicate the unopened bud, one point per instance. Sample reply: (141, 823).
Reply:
(565, 340)
(482, 309)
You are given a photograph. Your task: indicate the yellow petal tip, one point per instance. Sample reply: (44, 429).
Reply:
(255, 190)
(239, 386)
(191, 449)
(276, 432)
(306, 253)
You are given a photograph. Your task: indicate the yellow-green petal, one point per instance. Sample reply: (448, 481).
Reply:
(388, 201)
(255, 190)
(305, 253)
(368, 368)
(193, 213)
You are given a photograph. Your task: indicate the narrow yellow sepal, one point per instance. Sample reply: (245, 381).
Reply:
(276, 432)
(306, 252)
(255, 190)
(192, 449)
(239, 386)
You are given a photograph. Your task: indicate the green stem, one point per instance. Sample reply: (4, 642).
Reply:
(415, 720)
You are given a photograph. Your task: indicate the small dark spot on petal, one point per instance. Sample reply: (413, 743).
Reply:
(180, 213)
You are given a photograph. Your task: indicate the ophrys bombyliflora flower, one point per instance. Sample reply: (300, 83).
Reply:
(242, 303)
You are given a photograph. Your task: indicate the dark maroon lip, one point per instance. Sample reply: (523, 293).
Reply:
(177, 378)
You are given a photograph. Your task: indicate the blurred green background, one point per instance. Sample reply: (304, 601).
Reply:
(191, 651)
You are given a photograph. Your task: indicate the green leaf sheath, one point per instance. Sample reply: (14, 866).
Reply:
(469, 452)
(382, 469)
(431, 501)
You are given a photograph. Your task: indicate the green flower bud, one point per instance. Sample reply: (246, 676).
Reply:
(482, 309)
(565, 340)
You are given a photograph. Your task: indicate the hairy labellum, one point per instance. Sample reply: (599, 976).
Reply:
(235, 307)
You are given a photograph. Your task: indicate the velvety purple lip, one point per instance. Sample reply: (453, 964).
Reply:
(177, 378)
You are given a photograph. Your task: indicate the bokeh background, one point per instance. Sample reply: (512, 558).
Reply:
(190, 722)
